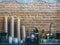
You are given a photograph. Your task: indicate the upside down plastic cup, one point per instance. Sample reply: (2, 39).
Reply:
(21, 41)
(10, 39)
(15, 40)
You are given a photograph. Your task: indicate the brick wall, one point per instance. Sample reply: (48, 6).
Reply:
(38, 15)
